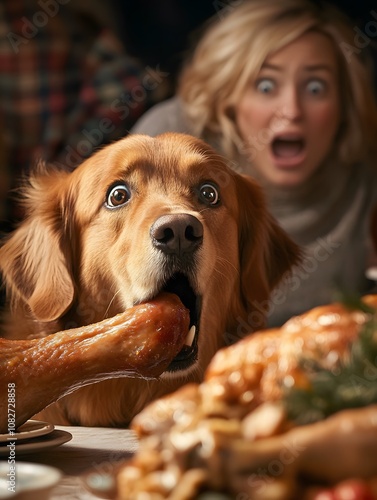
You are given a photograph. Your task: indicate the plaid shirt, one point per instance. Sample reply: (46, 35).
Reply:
(65, 88)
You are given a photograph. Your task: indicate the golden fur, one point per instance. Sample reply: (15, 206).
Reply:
(74, 260)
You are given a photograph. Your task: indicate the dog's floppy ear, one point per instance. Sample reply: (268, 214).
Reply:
(267, 253)
(33, 260)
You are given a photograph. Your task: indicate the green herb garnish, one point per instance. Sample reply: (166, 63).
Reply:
(351, 384)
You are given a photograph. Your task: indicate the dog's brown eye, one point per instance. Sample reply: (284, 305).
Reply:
(117, 196)
(209, 194)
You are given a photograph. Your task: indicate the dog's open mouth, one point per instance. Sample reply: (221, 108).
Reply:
(179, 285)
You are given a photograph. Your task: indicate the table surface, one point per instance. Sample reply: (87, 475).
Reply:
(91, 449)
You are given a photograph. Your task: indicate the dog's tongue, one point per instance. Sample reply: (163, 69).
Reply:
(287, 148)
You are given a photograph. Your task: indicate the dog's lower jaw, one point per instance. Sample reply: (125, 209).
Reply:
(193, 374)
(181, 366)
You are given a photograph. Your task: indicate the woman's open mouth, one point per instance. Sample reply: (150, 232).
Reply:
(288, 151)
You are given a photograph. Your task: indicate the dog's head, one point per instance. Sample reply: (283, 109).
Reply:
(146, 215)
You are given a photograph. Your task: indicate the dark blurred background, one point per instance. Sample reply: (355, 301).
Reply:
(160, 32)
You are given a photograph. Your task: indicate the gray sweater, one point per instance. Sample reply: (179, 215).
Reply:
(328, 216)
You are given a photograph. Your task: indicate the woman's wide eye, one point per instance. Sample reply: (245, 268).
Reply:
(265, 86)
(316, 87)
(117, 196)
(209, 194)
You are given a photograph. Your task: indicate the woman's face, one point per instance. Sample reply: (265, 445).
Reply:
(289, 115)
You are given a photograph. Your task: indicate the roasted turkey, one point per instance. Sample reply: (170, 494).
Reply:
(238, 432)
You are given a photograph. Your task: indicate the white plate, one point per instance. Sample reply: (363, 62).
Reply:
(32, 481)
(28, 430)
(55, 438)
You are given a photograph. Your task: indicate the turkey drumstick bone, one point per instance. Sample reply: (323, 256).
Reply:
(140, 342)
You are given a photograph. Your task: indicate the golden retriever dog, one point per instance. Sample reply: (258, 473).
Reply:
(141, 216)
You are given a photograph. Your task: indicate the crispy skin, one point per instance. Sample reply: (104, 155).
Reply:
(258, 368)
(141, 342)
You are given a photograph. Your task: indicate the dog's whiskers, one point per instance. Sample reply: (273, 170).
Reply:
(203, 210)
(225, 263)
(111, 302)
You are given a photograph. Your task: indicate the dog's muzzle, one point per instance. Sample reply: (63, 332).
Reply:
(178, 237)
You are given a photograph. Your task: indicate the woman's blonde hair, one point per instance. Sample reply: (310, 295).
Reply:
(233, 49)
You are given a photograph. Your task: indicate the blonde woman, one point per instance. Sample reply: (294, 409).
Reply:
(283, 90)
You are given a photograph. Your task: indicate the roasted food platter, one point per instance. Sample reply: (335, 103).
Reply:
(289, 413)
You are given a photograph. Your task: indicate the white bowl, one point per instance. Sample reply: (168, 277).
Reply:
(27, 481)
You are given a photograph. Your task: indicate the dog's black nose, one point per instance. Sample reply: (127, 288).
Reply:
(177, 233)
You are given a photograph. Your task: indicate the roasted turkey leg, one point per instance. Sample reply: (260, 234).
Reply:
(141, 342)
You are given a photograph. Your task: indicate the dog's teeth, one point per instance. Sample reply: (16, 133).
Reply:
(190, 336)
